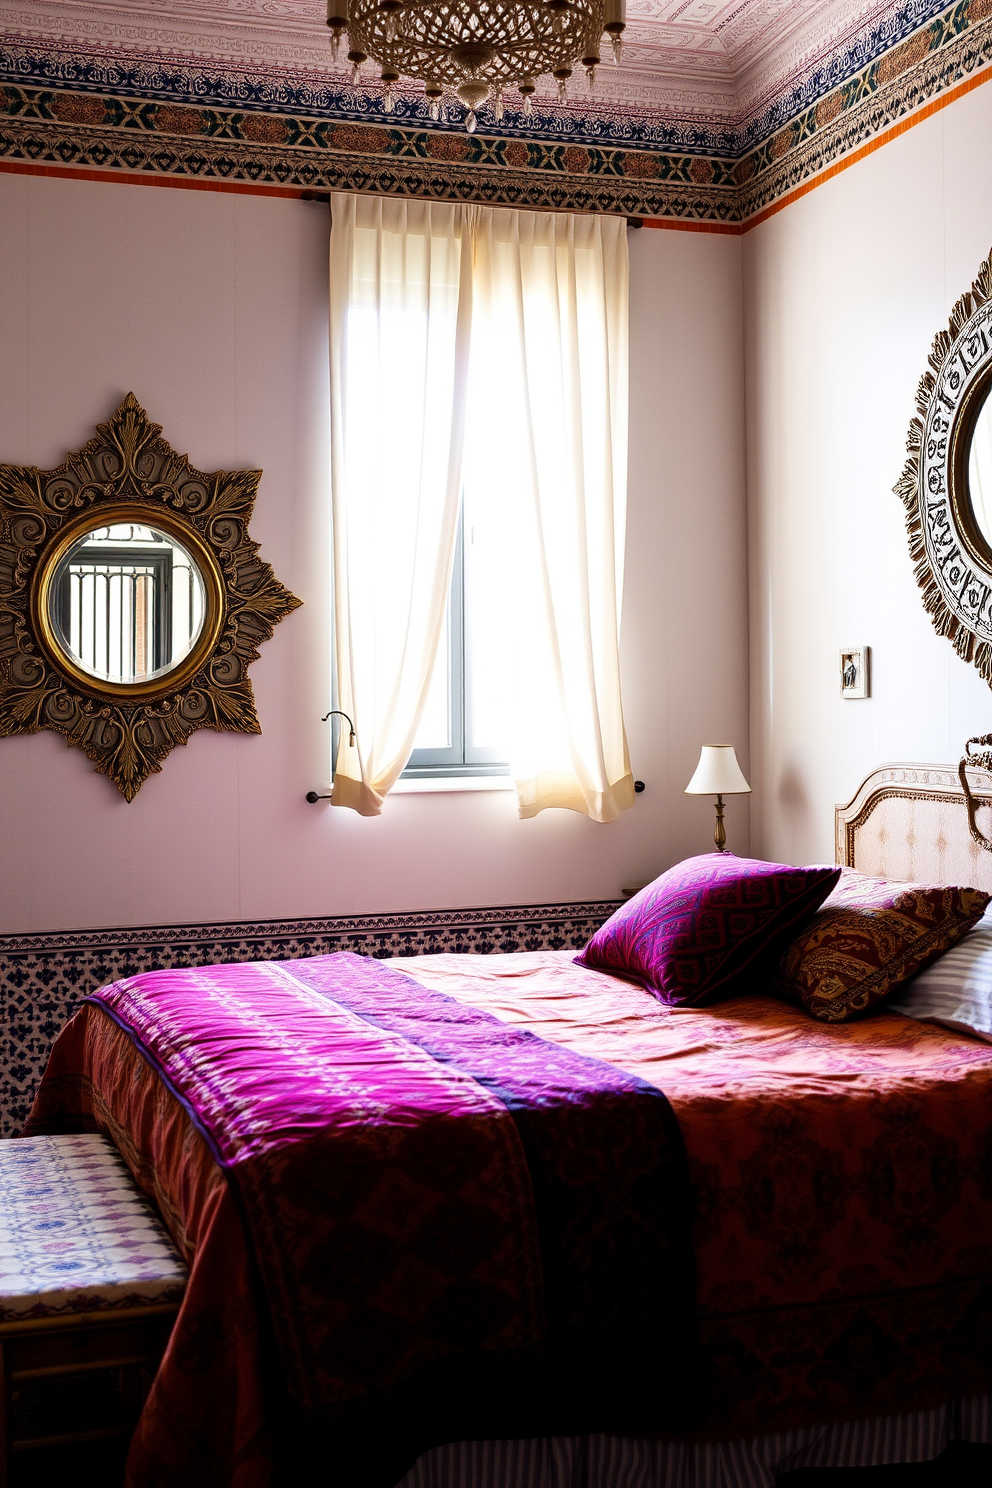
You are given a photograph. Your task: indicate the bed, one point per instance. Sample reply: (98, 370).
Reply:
(815, 1287)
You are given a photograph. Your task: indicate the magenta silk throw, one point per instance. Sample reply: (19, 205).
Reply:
(460, 1228)
(690, 934)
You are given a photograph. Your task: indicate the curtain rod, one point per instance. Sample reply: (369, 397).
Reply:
(325, 196)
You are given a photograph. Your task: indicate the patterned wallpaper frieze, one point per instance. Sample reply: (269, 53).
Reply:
(805, 87)
(108, 133)
(676, 115)
(931, 64)
(138, 124)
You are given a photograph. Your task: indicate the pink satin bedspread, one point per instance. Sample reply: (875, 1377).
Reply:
(843, 1182)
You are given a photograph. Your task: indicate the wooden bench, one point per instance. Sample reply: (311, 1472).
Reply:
(90, 1283)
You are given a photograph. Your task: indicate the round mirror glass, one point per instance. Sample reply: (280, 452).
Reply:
(127, 603)
(980, 470)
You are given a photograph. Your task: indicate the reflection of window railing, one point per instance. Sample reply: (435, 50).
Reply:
(115, 624)
(128, 608)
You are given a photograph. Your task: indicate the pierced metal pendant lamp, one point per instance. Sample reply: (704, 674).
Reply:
(476, 49)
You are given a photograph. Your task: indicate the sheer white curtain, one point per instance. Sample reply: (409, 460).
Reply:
(401, 306)
(510, 328)
(546, 468)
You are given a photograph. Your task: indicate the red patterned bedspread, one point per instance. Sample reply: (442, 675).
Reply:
(843, 1179)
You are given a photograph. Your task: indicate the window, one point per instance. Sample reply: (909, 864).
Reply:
(478, 381)
(461, 727)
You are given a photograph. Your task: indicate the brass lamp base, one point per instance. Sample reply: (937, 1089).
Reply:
(720, 835)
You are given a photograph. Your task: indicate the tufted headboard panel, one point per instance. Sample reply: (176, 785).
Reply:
(910, 822)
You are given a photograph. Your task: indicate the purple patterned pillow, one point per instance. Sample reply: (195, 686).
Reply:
(691, 931)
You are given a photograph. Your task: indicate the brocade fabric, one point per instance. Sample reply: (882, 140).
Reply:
(692, 931)
(843, 1208)
(869, 937)
(451, 1220)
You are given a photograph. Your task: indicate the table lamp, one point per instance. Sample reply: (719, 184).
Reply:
(718, 774)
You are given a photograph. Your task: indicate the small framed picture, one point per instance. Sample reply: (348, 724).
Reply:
(855, 672)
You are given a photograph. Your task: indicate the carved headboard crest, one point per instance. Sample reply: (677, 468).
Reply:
(911, 821)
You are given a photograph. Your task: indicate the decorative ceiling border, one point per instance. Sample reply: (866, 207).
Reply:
(935, 60)
(188, 81)
(804, 85)
(116, 135)
(124, 135)
(184, 73)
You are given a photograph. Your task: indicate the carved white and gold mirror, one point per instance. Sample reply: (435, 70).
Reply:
(947, 482)
(132, 600)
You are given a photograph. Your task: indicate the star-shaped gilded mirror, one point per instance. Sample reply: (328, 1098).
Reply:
(132, 600)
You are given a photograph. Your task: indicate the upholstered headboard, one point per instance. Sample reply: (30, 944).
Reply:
(910, 822)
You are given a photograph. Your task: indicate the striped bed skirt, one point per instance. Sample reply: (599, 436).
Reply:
(751, 1462)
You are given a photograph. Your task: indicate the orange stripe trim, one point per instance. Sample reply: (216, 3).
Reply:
(675, 224)
(129, 178)
(664, 224)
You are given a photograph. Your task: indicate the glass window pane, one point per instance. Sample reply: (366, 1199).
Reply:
(488, 594)
(435, 726)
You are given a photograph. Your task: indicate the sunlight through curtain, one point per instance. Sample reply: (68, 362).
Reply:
(401, 304)
(504, 332)
(546, 449)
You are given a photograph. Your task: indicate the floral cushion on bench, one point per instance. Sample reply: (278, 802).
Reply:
(76, 1234)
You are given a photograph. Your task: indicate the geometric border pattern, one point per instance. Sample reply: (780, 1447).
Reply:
(261, 146)
(939, 57)
(44, 977)
(112, 134)
(144, 71)
(840, 67)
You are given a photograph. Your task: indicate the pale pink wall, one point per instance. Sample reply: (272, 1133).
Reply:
(685, 595)
(844, 291)
(212, 309)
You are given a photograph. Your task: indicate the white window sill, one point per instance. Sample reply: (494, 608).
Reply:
(419, 785)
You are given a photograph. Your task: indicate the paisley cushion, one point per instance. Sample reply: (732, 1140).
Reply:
(688, 935)
(868, 938)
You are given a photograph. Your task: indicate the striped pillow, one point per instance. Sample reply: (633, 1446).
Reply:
(955, 991)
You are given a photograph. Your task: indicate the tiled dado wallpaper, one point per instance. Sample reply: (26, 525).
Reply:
(43, 977)
(66, 113)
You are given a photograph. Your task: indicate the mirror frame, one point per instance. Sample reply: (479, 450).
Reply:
(128, 473)
(952, 557)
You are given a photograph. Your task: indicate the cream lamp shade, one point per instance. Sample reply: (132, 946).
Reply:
(718, 774)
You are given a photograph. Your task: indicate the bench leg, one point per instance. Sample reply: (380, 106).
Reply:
(4, 1425)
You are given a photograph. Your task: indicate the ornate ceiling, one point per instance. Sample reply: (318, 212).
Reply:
(722, 111)
(722, 64)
